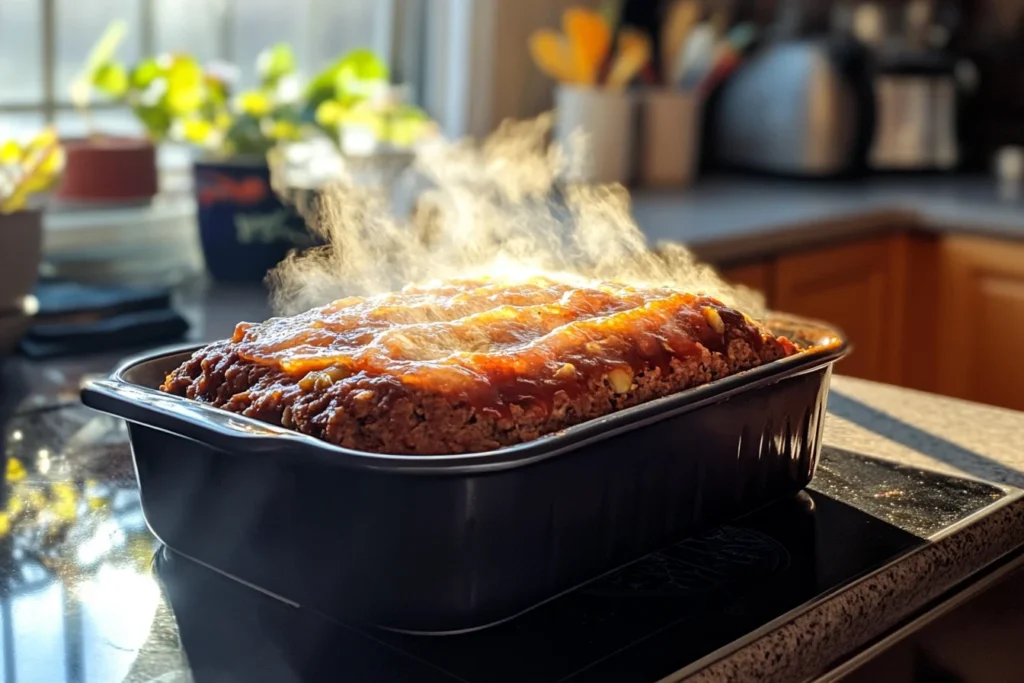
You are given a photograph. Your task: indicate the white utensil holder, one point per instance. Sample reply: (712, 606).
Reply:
(668, 135)
(595, 129)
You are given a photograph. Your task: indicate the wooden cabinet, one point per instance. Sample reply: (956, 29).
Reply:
(981, 324)
(757, 276)
(930, 312)
(860, 287)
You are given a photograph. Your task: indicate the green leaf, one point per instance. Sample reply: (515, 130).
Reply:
(156, 120)
(144, 73)
(359, 73)
(274, 63)
(102, 54)
(245, 137)
(103, 51)
(111, 79)
(345, 78)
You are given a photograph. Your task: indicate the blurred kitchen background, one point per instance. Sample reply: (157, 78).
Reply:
(856, 161)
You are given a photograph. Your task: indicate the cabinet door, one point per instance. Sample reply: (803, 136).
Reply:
(858, 287)
(982, 321)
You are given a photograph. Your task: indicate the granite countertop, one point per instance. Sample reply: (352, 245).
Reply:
(739, 218)
(90, 546)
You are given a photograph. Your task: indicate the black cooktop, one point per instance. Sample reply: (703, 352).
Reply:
(653, 618)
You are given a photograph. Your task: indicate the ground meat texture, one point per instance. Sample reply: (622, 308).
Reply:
(535, 373)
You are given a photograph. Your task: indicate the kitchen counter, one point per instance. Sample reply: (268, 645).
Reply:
(80, 602)
(739, 218)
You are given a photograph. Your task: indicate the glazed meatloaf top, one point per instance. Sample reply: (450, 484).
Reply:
(471, 366)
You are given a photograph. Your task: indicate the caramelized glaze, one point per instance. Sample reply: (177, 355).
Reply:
(497, 344)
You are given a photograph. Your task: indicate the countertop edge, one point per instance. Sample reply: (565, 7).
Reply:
(816, 639)
(736, 247)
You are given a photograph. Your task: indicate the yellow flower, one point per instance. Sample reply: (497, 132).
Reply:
(10, 153)
(95, 503)
(5, 524)
(197, 130)
(15, 470)
(329, 113)
(184, 85)
(254, 103)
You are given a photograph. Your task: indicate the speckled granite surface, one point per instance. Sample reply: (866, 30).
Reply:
(945, 434)
(910, 428)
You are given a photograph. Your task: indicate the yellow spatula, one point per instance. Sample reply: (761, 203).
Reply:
(553, 55)
(633, 54)
(589, 38)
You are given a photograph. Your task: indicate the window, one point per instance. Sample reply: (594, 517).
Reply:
(43, 44)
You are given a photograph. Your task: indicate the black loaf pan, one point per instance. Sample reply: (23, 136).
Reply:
(443, 544)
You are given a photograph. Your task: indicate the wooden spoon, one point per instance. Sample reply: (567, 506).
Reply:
(633, 54)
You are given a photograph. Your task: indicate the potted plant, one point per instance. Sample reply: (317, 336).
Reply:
(104, 168)
(26, 172)
(355, 104)
(159, 91)
(245, 228)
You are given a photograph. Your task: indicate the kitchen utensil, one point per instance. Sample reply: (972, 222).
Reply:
(554, 55)
(916, 102)
(633, 54)
(589, 38)
(800, 108)
(443, 544)
(728, 55)
(681, 18)
(694, 59)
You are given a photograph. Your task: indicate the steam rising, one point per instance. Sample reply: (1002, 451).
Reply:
(492, 208)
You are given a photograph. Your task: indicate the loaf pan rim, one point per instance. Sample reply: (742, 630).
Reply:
(234, 433)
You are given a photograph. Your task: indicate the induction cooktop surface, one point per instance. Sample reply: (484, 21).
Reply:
(660, 616)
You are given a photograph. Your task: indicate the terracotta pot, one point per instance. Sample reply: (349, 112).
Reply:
(108, 169)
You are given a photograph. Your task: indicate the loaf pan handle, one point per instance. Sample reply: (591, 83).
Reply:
(171, 414)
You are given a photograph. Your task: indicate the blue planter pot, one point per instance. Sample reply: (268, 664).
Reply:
(244, 228)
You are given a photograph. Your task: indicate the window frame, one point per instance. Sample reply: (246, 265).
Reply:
(225, 11)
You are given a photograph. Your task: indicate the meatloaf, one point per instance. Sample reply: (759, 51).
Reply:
(469, 366)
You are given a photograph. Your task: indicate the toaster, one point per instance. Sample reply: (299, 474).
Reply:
(800, 107)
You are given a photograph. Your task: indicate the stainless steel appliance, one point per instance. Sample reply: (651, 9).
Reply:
(800, 107)
(916, 97)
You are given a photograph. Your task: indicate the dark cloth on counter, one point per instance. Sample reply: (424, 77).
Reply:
(77, 319)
